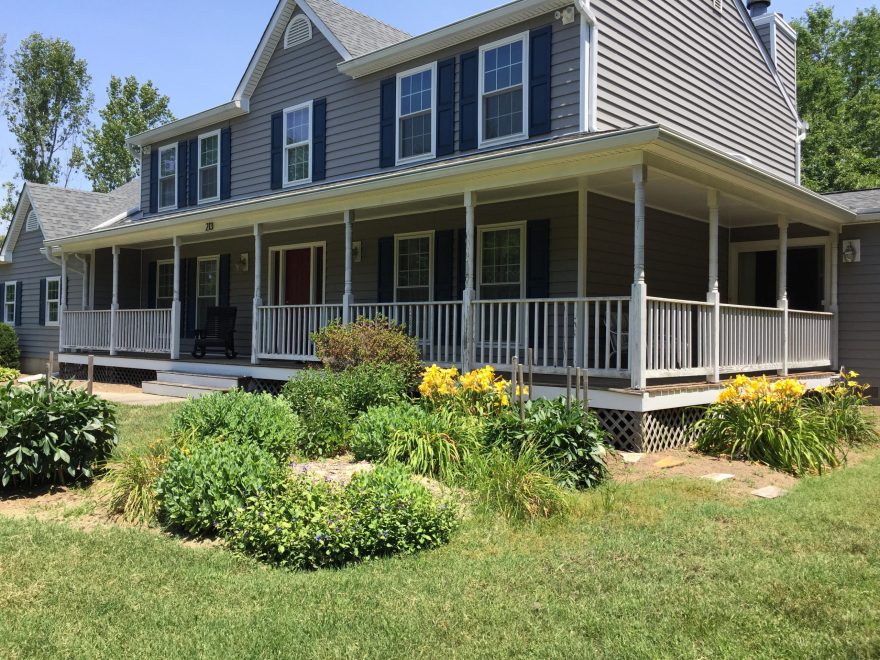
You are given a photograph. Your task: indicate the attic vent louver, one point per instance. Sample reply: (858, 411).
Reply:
(299, 31)
(718, 4)
(32, 224)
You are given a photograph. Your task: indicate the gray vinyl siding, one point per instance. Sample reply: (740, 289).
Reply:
(696, 70)
(859, 303)
(786, 64)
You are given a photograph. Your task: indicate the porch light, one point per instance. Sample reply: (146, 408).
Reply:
(851, 251)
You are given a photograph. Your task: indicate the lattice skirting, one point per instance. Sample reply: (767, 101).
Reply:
(263, 386)
(649, 431)
(104, 374)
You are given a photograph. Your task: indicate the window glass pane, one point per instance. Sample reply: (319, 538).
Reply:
(208, 278)
(53, 312)
(500, 263)
(503, 114)
(415, 136)
(502, 67)
(415, 93)
(165, 281)
(166, 192)
(210, 151)
(298, 163)
(10, 293)
(208, 182)
(52, 289)
(167, 162)
(413, 268)
(298, 129)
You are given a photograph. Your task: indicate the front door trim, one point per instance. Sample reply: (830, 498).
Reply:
(279, 295)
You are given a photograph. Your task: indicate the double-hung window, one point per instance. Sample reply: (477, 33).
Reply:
(164, 284)
(168, 177)
(503, 93)
(209, 167)
(207, 286)
(9, 303)
(53, 300)
(502, 261)
(298, 144)
(415, 113)
(414, 269)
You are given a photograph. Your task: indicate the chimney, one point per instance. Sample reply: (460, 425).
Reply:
(780, 40)
(758, 7)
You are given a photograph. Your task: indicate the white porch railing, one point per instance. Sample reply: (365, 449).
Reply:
(143, 330)
(285, 330)
(436, 326)
(809, 339)
(751, 338)
(679, 338)
(87, 331)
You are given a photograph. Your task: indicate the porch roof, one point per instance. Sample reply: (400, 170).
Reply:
(682, 169)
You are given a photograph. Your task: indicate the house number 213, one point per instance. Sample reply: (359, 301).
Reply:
(209, 226)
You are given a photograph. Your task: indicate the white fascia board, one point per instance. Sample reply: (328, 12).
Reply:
(194, 122)
(451, 35)
(15, 226)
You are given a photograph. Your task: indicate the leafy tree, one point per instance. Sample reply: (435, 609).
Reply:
(839, 98)
(47, 104)
(131, 108)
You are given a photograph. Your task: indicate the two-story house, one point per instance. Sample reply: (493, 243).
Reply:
(610, 186)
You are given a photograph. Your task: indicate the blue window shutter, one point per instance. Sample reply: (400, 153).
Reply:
(19, 291)
(319, 140)
(277, 147)
(154, 181)
(538, 259)
(385, 285)
(223, 280)
(540, 57)
(192, 173)
(181, 173)
(469, 90)
(43, 301)
(151, 285)
(446, 107)
(3, 303)
(190, 297)
(443, 264)
(226, 163)
(387, 119)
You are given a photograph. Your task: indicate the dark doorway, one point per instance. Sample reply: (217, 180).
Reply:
(298, 277)
(805, 278)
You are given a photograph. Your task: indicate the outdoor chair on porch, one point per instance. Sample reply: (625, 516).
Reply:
(218, 332)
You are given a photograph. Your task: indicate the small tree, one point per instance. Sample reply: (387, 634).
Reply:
(9, 353)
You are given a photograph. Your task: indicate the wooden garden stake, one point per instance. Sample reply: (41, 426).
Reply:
(531, 358)
(522, 409)
(513, 380)
(577, 385)
(90, 386)
(568, 389)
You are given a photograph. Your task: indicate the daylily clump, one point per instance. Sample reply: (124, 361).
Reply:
(743, 390)
(475, 391)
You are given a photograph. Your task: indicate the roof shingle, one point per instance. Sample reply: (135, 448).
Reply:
(359, 33)
(858, 200)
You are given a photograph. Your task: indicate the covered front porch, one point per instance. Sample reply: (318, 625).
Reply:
(640, 266)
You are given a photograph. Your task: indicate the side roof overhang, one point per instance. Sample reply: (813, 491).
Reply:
(19, 217)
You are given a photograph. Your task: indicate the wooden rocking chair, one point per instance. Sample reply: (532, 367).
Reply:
(218, 332)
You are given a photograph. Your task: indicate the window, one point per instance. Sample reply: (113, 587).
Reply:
(414, 269)
(207, 286)
(298, 144)
(9, 303)
(299, 31)
(503, 102)
(209, 167)
(168, 177)
(164, 284)
(53, 300)
(502, 262)
(415, 113)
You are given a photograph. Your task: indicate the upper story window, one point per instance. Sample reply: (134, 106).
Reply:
(209, 167)
(9, 303)
(298, 144)
(53, 300)
(415, 267)
(502, 261)
(503, 94)
(168, 177)
(164, 284)
(415, 113)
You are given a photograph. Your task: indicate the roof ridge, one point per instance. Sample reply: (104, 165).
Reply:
(372, 18)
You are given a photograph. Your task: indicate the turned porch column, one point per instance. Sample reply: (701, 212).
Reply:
(348, 296)
(638, 306)
(581, 309)
(62, 301)
(834, 307)
(256, 326)
(468, 295)
(114, 301)
(713, 296)
(782, 288)
(175, 303)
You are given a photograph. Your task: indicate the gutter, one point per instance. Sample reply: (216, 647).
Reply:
(221, 113)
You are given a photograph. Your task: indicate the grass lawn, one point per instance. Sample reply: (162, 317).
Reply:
(659, 568)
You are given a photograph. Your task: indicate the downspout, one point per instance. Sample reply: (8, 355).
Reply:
(798, 145)
(589, 39)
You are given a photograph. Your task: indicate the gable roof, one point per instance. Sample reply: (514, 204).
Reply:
(860, 201)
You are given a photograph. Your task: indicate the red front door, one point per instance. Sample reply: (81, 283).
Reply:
(298, 277)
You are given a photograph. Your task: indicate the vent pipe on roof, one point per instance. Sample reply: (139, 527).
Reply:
(758, 7)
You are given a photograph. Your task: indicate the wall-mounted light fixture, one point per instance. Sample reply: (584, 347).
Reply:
(356, 251)
(852, 251)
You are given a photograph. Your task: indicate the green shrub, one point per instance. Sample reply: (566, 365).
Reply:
(241, 418)
(372, 431)
(7, 375)
(132, 481)
(52, 435)
(327, 425)
(309, 524)
(203, 484)
(520, 486)
(369, 341)
(9, 352)
(840, 408)
(360, 388)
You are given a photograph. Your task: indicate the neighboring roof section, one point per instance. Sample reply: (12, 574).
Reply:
(359, 33)
(860, 201)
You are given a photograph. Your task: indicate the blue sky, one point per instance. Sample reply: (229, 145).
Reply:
(196, 51)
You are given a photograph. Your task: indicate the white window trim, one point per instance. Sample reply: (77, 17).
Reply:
(159, 264)
(159, 153)
(415, 234)
(199, 260)
(524, 37)
(281, 279)
(483, 229)
(49, 322)
(205, 200)
(14, 287)
(287, 147)
(432, 67)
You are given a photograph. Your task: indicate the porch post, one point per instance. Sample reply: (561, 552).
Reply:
(782, 284)
(258, 293)
(62, 303)
(581, 310)
(85, 280)
(714, 295)
(468, 295)
(834, 306)
(348, 296)
(638, 306)
(114, 303)
(175, 304)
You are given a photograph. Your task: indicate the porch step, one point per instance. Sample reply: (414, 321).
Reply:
(179, 390)
(202, 380)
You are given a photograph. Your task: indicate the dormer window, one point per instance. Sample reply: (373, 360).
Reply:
(168, 177)
(503, 94)
(415, 113)
(209, 167)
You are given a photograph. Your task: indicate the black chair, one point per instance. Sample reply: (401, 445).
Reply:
(218, 332)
